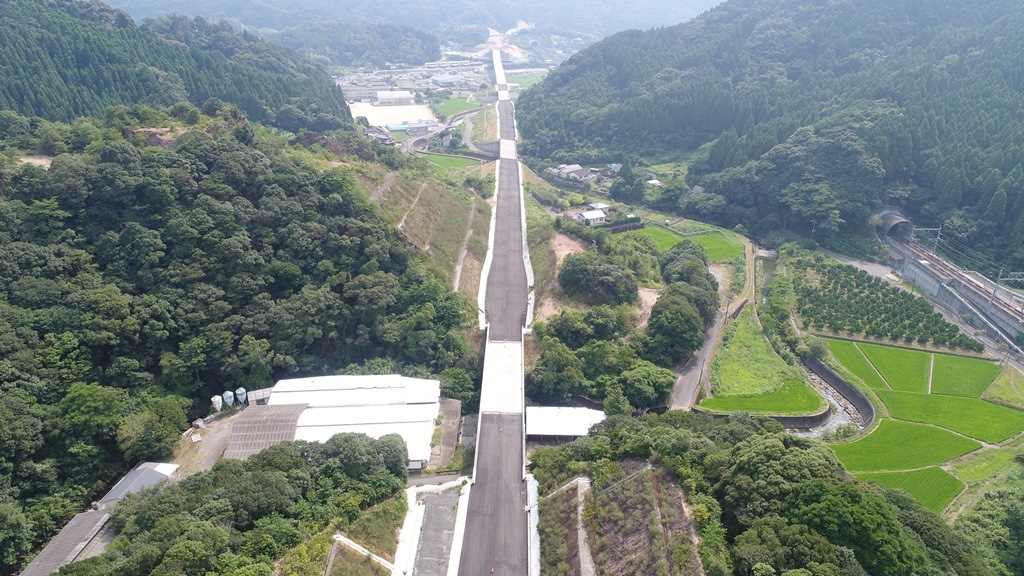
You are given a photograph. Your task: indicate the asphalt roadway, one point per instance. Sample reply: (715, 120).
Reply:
(506, 299)
(508, 123)
(496, 526)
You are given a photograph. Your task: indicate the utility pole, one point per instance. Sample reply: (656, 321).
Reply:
(996, 287)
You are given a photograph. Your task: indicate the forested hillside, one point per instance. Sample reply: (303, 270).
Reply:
(764, 502)
(799, 112)
(138, 279)
(350, 43)
(61, 59)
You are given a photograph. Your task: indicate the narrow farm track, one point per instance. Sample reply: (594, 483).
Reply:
(465, 247)
(384, 186)
(401, 224)
(931, 373)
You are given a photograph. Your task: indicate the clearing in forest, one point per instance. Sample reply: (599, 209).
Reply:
(639, 526)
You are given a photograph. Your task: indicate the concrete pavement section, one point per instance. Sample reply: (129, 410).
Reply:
(496, 529)
(506, 297)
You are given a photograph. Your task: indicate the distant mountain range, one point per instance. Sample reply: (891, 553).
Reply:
(348, 32)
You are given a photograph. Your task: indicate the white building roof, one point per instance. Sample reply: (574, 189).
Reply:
(394, 95)
(371, 405)
(593, 215)
(557, 421)
(598, 206)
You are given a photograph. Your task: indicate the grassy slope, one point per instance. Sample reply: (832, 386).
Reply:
(969, 416)
(749, 376)
(933, 487)
(377, 528)
(897, 445)
(905, 370)
(1008, 388)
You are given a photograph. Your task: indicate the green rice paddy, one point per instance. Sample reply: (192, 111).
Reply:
(663, 238)
(958, 376)
(933, 487)
(850, 356)
(794, 397)
(969, 416)
(898, 445)
(903, 369)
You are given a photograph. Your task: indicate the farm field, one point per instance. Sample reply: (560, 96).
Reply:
(665, 239)
(720, 248)
(850, 356)
(971, 417)
(898, 445)
(838, 299)
(453, 106)
(747, 375)
(958, 376)
(905, 370)
(933, 487)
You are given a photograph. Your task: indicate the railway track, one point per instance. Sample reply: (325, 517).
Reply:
(947, 270)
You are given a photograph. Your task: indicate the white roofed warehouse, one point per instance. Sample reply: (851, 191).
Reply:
(315, 409)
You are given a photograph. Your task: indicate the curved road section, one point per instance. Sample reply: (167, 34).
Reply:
(495, 539)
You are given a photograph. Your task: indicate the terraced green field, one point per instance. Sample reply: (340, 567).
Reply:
(933, 487)
(794, 397)
(958, 376)
(720, 247)
(897, 445)
(662, 237)
(969, 416)
(850, 356)
(905, 370)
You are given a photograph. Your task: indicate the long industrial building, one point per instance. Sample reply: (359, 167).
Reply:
(314, 409)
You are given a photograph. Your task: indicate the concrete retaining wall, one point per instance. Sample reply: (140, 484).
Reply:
(853, 395)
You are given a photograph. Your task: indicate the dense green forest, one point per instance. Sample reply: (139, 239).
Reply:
(600, 353)
(240, 517)
(358, 44)
(61, 59)
(765, 502)
(137, 279)
(800, 114)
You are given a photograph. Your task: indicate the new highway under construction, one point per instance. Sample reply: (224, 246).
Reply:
(496, 532)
